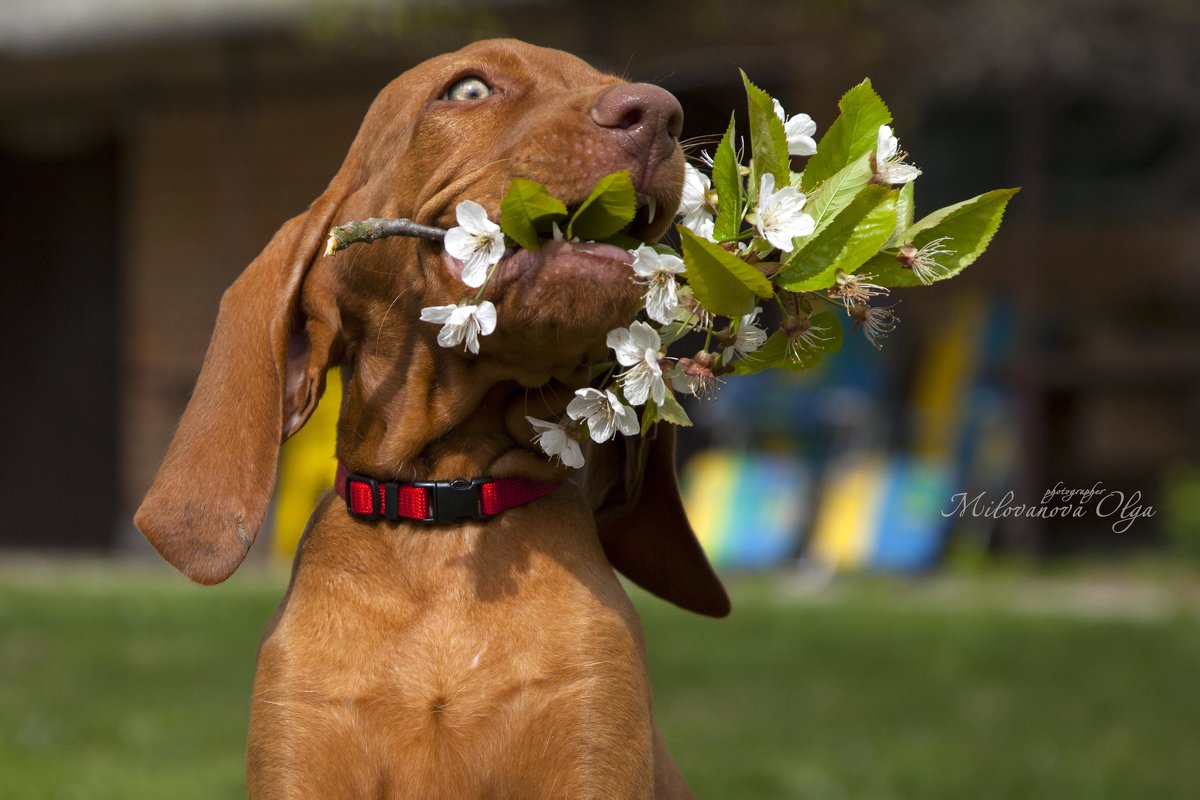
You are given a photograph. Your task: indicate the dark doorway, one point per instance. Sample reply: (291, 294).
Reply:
(58, 348)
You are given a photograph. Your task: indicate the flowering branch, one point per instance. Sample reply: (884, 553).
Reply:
(824, 244)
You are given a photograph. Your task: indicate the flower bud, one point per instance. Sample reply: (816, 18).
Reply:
(794, 326)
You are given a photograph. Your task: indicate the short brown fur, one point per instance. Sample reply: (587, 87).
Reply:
(485, 659)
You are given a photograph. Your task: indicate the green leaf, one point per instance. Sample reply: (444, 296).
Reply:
(608, 209)
(904, 213)
(833, 195)
(828, 327)
(768, 139)
(722, 282)
(854, 236)
(771, 355)
(853, 133)
(776, 353)
(671, 411)
(527, 207)
(649, 417)
(968, 228)
(728, 183)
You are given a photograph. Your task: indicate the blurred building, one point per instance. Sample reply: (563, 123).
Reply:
(148, 150)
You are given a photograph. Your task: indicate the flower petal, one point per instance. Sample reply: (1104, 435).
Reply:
(601, 427)
(645, 261)
(486, 315)
(585, 403)
(460, 243)
(886, 145)
(627, 421)
(644, 338)
(571, 454)
(662, 302)
(695, 190)
(540, 424)
(896, 174)
(766, 188)
(658, 390)
(622, 344)
(475, 269)
(472, 216)
(437, 313)
(451, 335)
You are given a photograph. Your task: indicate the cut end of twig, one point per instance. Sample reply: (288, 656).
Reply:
(368, 230)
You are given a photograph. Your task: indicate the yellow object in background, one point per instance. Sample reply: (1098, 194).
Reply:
(706, 498)
(944, 380)
(307, 466)
(848, 511)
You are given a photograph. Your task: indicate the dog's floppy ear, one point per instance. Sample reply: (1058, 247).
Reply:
(262, 377)
(631, 485)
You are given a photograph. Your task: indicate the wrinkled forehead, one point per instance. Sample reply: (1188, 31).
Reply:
(512, 58)
(507, 64)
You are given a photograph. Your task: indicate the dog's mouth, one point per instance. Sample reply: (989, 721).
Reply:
(584, 263)
(649, 223)
(584, 260)
(579, 259)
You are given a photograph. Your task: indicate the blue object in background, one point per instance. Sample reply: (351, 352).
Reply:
(910, 531)
(748, 510)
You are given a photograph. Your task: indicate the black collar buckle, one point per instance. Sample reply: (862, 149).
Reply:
(450, 501)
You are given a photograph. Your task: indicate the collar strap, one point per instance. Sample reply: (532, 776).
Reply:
(436, 501)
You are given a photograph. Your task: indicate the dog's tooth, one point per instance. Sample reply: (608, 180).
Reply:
(651, 207)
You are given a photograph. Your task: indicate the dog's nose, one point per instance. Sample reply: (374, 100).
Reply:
(648, 116)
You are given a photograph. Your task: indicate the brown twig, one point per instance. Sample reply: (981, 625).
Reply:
(368, 230)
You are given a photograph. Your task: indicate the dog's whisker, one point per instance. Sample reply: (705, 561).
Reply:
(379, 331)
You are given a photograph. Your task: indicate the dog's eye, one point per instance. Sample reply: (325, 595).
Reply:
(471, 88)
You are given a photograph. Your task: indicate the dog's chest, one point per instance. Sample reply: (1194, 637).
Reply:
(510, 635)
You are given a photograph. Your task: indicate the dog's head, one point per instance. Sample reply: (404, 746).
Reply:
(457, 127)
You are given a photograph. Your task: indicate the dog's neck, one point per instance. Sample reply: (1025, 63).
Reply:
(431, 415)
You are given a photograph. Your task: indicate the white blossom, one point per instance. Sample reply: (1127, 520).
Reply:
(889, 160)
(799, 130)
(477, 242)
(557, 439)
(780, 214)
(637, 347)
(604, 412)
(462, 323)
(657, 271)
(695, 210)
(749, 337)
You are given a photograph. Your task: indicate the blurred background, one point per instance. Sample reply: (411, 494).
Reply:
(884, 644)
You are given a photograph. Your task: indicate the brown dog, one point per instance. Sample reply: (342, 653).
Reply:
(494, 658)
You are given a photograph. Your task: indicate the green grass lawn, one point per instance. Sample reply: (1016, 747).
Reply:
(127, 683)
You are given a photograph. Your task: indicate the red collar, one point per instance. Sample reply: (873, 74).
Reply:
(436, 501)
